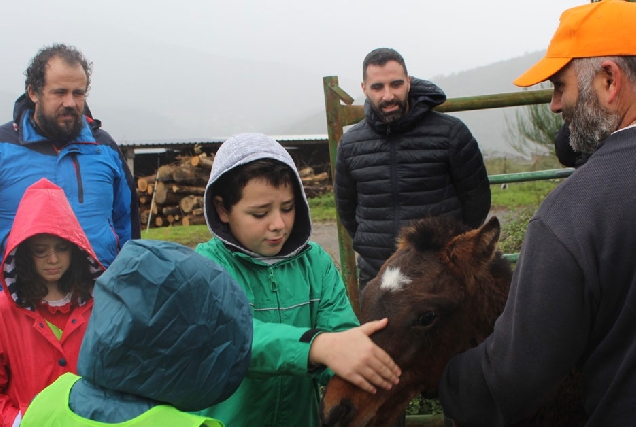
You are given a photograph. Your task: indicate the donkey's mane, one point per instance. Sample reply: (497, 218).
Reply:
(432, 233)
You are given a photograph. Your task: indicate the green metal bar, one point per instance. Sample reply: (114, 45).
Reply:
(511, 257)
(347, 255)
(530, 176)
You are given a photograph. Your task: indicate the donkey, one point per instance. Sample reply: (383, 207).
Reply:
(442, 291)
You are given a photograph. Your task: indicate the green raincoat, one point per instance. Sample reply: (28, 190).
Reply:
(292, 300)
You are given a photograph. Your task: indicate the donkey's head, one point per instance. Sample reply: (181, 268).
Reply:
(442, 291)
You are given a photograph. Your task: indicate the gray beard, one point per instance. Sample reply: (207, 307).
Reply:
(590, 123)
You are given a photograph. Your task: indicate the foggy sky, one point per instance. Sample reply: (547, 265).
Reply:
(327, 36)
(127, 42)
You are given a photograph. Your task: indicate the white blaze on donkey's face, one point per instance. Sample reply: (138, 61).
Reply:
(393, 280)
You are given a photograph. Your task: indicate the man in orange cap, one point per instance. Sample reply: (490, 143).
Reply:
(572, 301)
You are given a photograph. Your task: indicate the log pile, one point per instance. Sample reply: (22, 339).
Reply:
(314, 184)
(174, 195)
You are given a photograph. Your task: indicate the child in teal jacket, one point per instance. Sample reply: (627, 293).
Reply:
(170, 332)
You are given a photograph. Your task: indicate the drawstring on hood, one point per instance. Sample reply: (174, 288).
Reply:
(242, 149)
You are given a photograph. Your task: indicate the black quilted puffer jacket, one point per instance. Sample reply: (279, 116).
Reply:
(426, 163)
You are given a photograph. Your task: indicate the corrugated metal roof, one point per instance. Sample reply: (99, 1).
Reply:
(283, 139)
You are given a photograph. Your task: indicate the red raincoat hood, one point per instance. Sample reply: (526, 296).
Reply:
(44, 208)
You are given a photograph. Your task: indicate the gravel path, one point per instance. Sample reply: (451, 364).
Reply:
(326, 235)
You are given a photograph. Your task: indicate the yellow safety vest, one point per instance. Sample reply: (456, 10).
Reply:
(50, 409)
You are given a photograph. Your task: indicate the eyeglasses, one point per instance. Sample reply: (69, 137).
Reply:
(43, 251)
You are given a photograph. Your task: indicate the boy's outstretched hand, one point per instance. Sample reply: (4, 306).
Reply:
(353, 356)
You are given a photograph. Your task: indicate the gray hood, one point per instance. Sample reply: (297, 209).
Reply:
(245, 148)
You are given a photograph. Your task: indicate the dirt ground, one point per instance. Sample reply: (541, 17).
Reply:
(326, 235)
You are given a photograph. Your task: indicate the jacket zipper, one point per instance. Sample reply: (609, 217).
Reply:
(78, 175)
(274, 288)
(394, 185)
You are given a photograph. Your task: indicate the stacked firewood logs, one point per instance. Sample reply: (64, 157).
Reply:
(174, 196)
(314, 184)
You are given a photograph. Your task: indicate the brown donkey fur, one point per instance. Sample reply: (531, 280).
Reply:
(449, 285)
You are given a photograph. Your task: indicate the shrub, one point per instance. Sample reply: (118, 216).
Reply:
(514, 228)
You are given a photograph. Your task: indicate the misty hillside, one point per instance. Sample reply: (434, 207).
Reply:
(488, 126)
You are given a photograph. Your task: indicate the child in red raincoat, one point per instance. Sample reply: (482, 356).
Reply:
(47, 274)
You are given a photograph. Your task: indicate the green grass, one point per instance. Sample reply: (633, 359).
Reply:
(521, 194)
(188, 236)
(514, 229)
(323, 208)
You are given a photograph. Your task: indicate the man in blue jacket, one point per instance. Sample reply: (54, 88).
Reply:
(51, 137)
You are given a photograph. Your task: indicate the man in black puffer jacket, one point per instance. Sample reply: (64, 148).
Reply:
(404, 162)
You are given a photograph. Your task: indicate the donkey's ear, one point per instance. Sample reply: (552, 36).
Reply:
(474, 247)
(487, 238)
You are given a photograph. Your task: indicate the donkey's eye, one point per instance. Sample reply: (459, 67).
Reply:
(426, 319)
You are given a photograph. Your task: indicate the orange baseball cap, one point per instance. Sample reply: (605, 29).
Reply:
(604, 28)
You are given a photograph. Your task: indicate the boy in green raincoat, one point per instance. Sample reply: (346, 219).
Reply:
(303, 321)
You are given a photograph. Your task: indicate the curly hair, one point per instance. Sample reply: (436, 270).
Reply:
(36, 72)
(31, 288)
